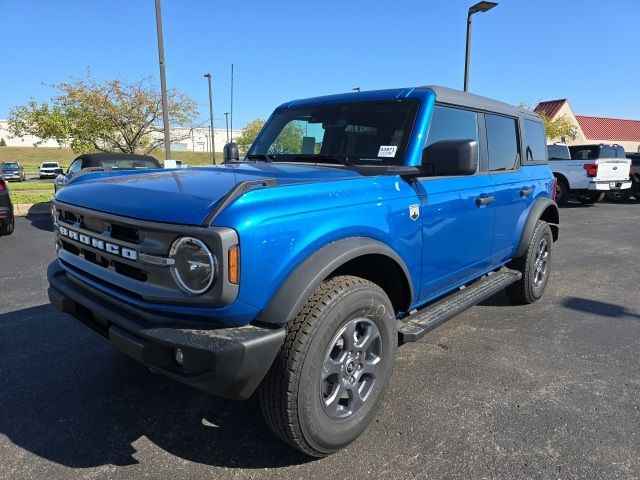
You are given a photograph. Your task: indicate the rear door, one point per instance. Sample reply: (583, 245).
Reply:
(456, 230)
(513, 189)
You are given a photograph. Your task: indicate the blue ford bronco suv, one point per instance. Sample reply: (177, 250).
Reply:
(356, 223)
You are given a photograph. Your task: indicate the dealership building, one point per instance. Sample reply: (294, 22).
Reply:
(592, 129)
(197, 139)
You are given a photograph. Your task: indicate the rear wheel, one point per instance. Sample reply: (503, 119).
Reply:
(535, 266)
(7, 228)
(333, 370)
(591, 197)
(618, 196)
(562, 192)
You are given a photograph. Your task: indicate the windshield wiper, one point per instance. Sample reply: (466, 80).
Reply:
(263, 156)
(342, 159)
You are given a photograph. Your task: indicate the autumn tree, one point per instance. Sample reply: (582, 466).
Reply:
(560, 128)
(113, 115)
(249, 134)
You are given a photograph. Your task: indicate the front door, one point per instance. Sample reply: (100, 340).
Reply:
(457, 222)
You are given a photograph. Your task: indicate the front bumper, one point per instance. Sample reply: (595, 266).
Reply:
(11, 176)
(606, 186)
(229, 362)
(49, 174)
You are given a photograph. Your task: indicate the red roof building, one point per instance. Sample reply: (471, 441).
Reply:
(593, 129)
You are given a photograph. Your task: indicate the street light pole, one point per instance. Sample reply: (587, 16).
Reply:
(478, 7)
(163, 83)
(213, 143)
(226, 118)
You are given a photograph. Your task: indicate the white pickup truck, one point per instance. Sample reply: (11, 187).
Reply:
(587, 172)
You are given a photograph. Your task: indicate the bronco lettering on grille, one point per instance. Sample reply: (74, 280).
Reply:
(98, 244)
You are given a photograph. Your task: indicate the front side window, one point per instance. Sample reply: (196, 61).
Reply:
(502, 142)
(536, 141)
(450, 123)
(359, 133)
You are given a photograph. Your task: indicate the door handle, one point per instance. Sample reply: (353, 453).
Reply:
(485, 200)
(526, 192)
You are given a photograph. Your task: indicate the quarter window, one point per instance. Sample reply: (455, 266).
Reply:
(536, 141)
(502, 142)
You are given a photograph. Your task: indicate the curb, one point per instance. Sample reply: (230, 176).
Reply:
(24, 209)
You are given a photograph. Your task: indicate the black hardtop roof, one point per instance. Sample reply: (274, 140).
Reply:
(115, 156)
(476, 102)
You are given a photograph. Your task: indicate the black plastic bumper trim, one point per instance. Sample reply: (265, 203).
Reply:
(228, 362)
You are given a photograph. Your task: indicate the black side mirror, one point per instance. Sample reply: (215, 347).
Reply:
(451, 157)
(230, 152)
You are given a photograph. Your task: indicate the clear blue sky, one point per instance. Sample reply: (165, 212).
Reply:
(524, 51)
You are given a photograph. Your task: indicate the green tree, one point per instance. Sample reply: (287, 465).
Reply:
(560, 128)
(2, 142)
(249, 134)
(289, 140)
(112, 115)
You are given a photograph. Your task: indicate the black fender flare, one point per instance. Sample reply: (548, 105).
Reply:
(296, 289)
(539, 207)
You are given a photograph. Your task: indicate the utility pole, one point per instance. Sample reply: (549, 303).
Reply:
(213, 143)
(226, 118)
(163, 83)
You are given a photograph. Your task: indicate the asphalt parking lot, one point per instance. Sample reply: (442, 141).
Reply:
(550, 390)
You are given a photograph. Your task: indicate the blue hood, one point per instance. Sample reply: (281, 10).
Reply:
(182, 196)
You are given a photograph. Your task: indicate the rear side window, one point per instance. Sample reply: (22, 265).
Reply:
(584, 152)
(536, 141)
(502, 142)
(449, 123)
(558, 152)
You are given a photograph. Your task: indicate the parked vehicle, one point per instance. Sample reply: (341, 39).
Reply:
(174, 164)
(634, 176)
(12, 171)
(297, 271)
(105, 161)
(586, 172)
(50, 170)
(7, 220)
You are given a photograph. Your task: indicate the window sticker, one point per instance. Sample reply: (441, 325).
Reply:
(387, 151)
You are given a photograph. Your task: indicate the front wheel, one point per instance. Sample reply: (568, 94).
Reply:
(562, 192)
(333, 370)
(535, 266)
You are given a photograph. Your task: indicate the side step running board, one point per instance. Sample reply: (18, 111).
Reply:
(415, 326)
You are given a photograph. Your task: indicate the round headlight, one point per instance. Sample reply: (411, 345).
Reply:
(194, 267)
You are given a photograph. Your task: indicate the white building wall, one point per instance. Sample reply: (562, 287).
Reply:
(191, 139)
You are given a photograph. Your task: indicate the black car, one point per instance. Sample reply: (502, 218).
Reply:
(106, 161)
(12, 171)
(635, 174)
(7, 220)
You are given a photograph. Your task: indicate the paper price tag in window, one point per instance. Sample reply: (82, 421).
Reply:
(387, 151)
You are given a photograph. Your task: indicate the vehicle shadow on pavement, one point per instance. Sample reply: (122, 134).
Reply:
(596, 307)
(71, 398)
(40, 220)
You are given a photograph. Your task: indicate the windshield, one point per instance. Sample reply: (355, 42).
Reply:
(8, 166)
(359, 133)
(50, 165)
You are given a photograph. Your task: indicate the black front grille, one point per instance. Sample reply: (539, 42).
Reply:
(118, 231)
